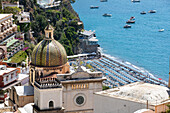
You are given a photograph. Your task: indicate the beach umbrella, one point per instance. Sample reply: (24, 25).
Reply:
(160, 78)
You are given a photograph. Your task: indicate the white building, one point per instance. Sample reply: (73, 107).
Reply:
(24, 17)
(10, 43)
(130, 98)
(88, 42)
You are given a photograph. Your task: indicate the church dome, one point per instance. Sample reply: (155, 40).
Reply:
(49, 53)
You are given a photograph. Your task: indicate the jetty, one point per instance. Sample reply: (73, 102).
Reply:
(119, 73)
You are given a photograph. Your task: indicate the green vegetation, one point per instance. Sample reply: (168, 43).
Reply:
(168, 111)
(13, 10)
(105, 87)
(89, 66)
(31, 47)
(19, 57)
(62, 19)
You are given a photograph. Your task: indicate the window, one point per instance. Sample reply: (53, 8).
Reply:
(6, 78)
(80, 100)
(31, 75)
(12, 75)
(50, 35)
(51, 104)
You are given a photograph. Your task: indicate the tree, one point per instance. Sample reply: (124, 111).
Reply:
(168, 111)
(13, 10)
(105, 87)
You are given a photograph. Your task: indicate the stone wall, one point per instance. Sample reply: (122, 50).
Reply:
(5, 109)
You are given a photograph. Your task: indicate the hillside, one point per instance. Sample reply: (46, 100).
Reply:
(64, 20)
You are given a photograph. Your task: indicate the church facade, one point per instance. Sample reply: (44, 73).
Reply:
(57, 89)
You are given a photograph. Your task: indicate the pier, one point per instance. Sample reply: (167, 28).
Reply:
(119, 73)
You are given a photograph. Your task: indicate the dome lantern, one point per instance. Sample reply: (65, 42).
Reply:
(49, 32)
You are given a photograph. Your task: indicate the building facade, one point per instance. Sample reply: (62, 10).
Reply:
(88, 42)
(57, 88)
(7, 76)
(10, 43)
(132, 97)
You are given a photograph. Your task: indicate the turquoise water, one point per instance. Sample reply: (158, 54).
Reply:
(142, 45)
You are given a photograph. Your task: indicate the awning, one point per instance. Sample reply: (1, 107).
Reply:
(3, 23)
(6, 22)
(9, 20)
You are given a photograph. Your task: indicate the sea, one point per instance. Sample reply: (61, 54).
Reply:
(141, 45)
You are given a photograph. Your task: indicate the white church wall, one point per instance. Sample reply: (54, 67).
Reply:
(86, 90)
(107, 104)
(44, 96)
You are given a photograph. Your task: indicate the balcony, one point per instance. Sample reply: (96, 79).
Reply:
(7, 37)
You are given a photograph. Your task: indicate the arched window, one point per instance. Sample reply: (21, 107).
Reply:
(37, 74)
(50, 35)
(41, 74)
(31, 75)
(51, 104)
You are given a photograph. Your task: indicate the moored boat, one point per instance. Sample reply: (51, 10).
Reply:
(161, 30)
(107, 15)
(132, 18)
(127, 26)
(130, 21)
(135, 0)
(143, 12)
(152, 11)
(94, 7)
(103, 0)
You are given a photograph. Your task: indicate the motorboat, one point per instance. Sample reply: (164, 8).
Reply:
(132, 18)
(94, 7)
(127, 26)
(135, 0)
(161, 30)
(103, 0)
(152, 11)
(143, 12)
(107, 15)
(130, 21)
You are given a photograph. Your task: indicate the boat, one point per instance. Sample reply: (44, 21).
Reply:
(127, 26)
(130, 21)
(107, 15)
(135, 0)
(161, 30)
(103, 0)
(152, 11)
(143, 12)
(94, 7)
(132, 18)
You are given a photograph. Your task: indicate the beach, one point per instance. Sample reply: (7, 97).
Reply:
(142, 45)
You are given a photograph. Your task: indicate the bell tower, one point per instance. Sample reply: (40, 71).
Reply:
(48, 96)
(49, 32)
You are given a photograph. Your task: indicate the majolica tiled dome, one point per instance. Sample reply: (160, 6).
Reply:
(49, 53)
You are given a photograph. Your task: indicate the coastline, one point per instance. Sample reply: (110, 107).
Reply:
(146, 48)
(140, 69)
